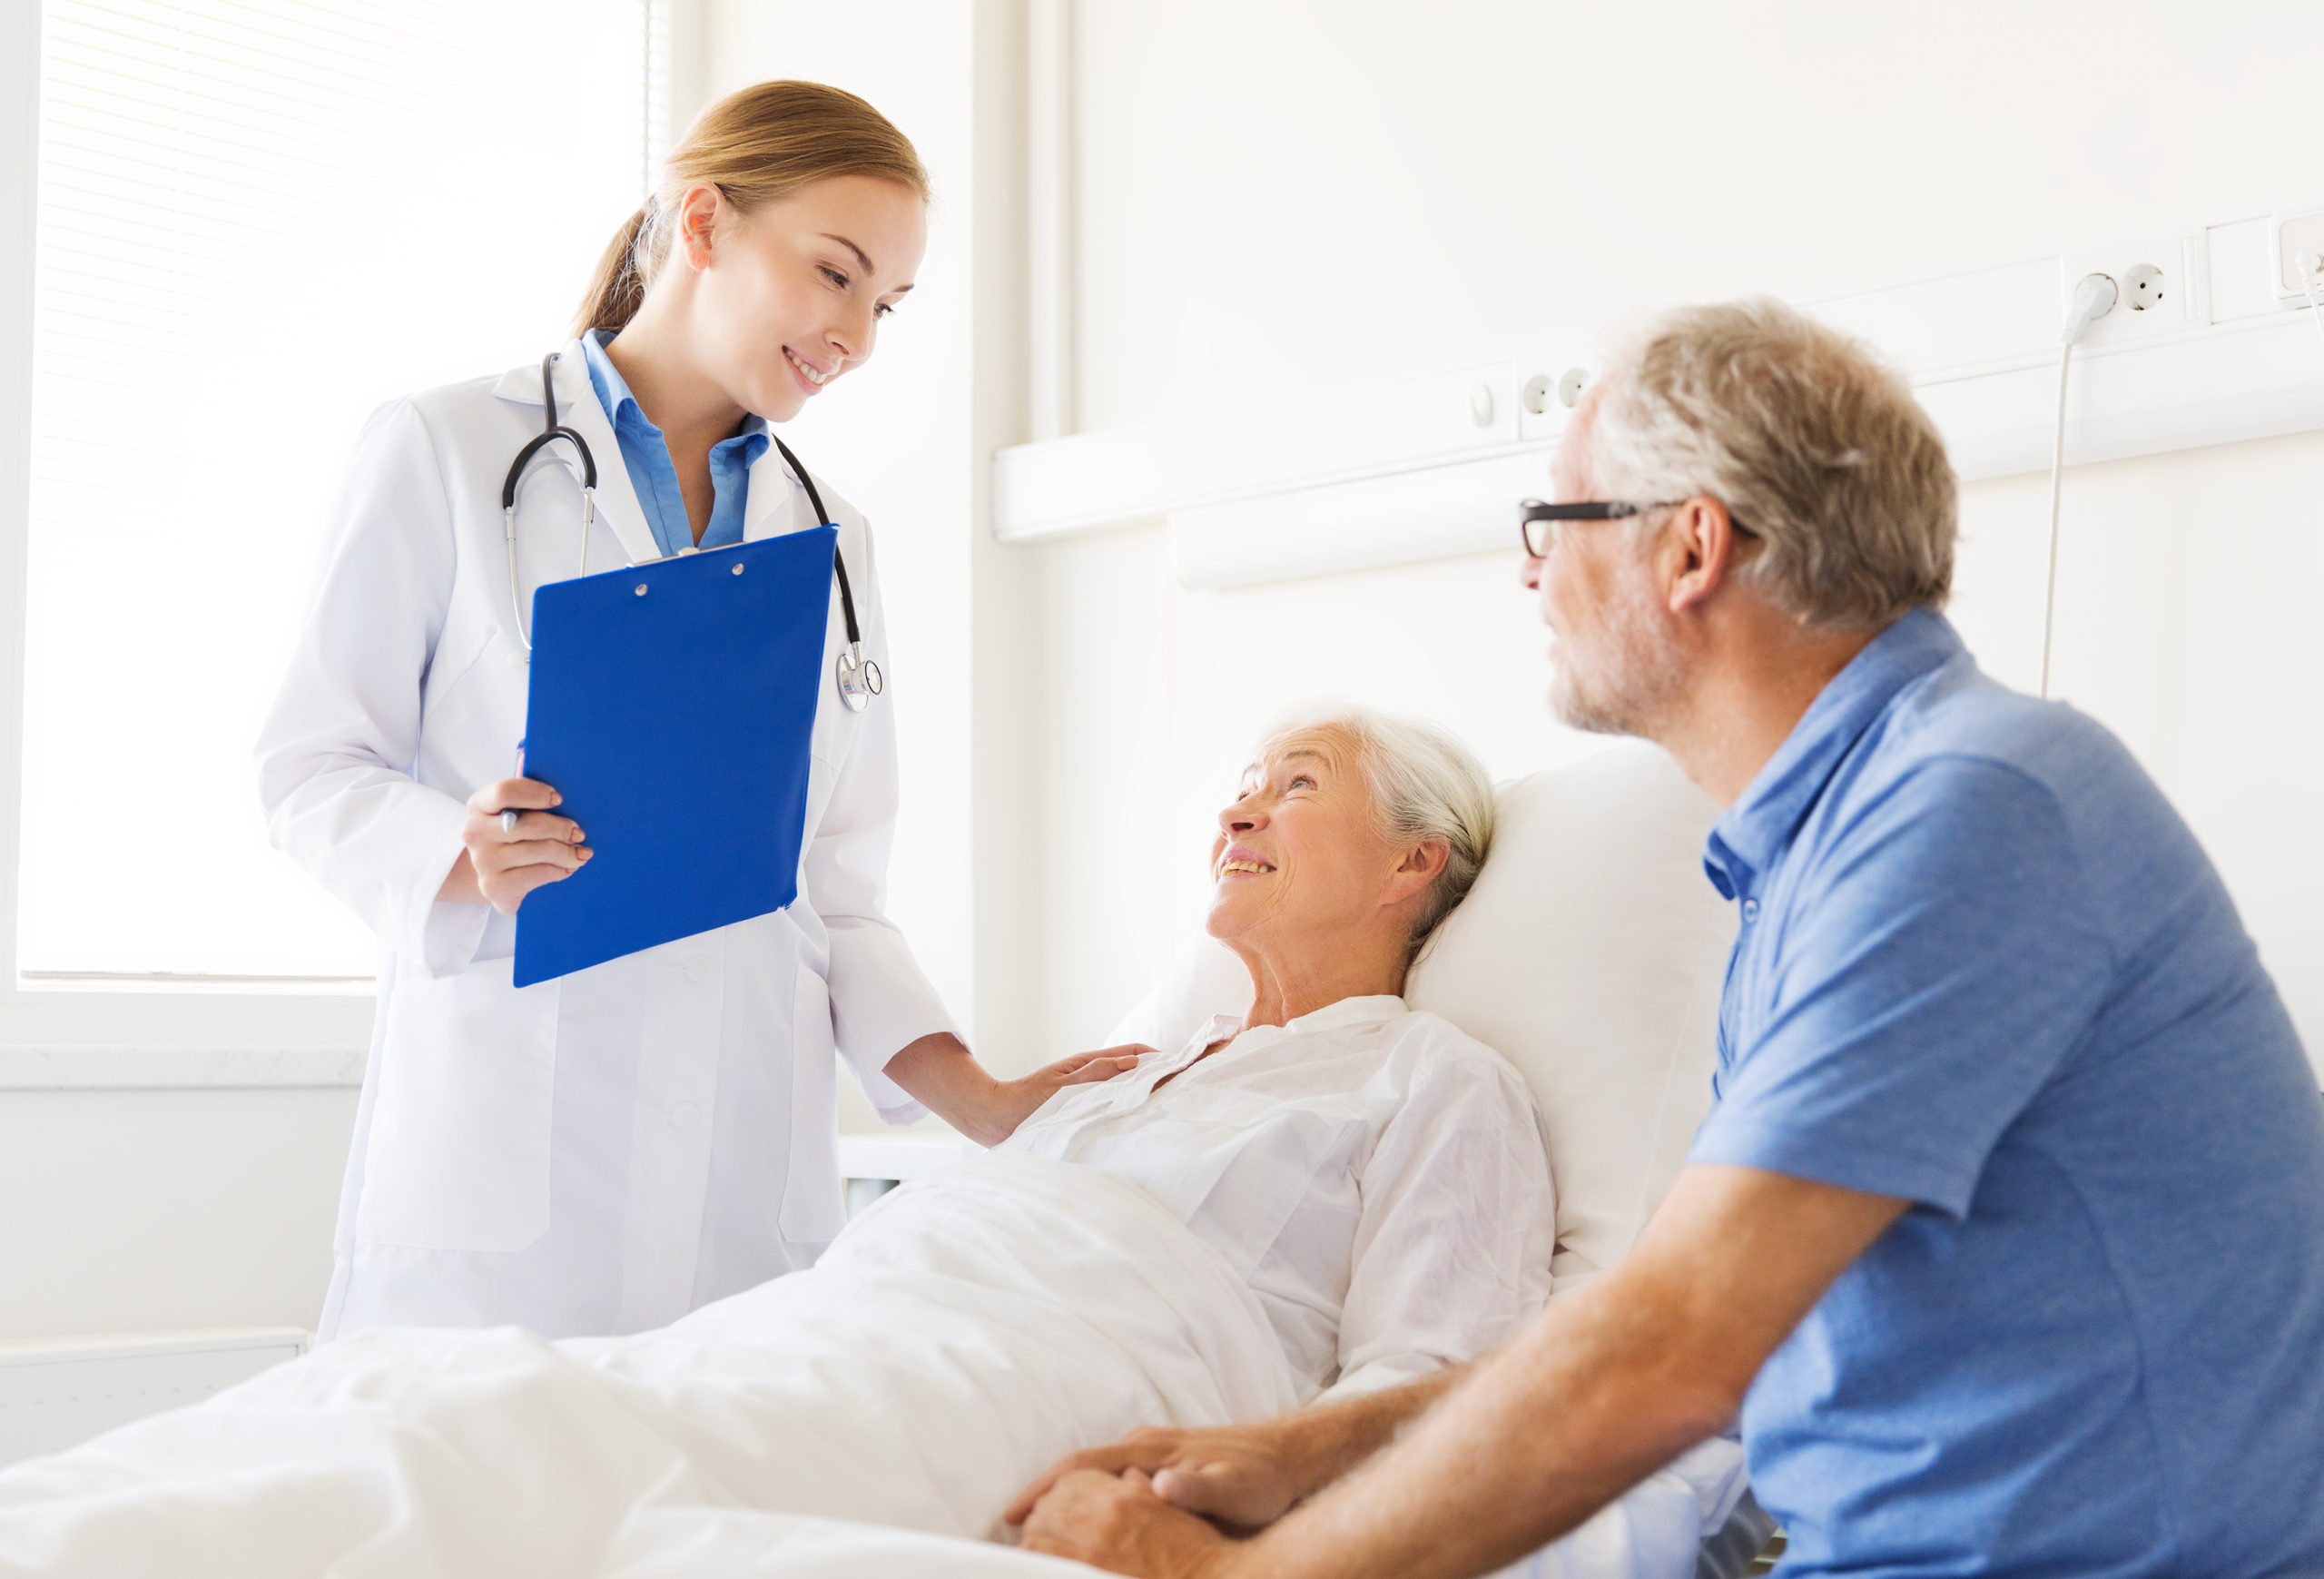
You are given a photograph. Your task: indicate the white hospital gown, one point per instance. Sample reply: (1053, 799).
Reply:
(1380, 1180)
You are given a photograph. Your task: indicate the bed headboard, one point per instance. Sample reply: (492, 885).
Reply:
(1591, 955)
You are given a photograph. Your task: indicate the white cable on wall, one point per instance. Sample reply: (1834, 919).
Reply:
(2311, 279)
(2093, 298)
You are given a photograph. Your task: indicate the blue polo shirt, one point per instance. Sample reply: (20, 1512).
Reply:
(1985, 968)
(646, 453)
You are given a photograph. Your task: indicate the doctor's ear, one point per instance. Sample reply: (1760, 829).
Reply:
(699, 212)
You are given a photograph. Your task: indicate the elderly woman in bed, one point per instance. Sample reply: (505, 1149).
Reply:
(1330, 1192)
(1379, 1178)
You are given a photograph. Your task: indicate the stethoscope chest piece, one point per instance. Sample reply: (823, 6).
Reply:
(858, 678)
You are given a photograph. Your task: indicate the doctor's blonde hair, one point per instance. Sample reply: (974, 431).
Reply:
(756, 145)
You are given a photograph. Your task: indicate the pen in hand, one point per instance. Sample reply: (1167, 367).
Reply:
(508, 813)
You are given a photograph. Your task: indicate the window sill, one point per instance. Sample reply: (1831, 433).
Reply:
(179, 1069)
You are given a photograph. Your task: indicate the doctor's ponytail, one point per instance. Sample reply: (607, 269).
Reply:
(756, 145)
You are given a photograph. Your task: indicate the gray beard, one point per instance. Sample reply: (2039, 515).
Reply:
(1635, 674)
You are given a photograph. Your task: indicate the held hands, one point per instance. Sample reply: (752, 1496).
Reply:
(500, 868)
(1119, 1523)
(1243, 1475)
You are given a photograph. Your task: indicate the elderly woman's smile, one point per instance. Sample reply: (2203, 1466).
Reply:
(1340, 851)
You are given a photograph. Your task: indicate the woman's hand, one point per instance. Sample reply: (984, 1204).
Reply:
(1011, 1102)
(499, 869)
(940, 1072)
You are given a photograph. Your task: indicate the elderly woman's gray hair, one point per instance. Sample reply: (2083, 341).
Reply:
(1424, 784)
(1814, 447)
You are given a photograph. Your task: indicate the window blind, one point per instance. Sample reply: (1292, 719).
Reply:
(257, 221)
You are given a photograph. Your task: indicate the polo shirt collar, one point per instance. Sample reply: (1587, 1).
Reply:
(1753, 834)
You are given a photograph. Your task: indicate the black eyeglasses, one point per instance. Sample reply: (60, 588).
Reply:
(1537, 522)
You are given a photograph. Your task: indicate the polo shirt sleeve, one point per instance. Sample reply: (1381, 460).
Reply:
(1942, 959)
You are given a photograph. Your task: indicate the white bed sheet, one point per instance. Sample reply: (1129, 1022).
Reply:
(870, 1417)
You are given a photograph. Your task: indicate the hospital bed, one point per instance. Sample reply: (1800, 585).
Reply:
(1590, 953)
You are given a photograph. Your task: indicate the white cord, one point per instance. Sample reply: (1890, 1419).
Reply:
(2057, 482)
(2093, 298)
(2311, 275)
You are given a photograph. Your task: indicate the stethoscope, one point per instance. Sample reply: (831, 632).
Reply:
(858, 678)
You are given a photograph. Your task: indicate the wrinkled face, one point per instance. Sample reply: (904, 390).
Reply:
(1299, 853)
(1614, 654)
(792, 294)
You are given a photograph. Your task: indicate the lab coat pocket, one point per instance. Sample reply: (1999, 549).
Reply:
(458, 1157)
(813, 1211)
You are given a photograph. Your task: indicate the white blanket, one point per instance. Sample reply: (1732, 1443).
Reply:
(964, 1334)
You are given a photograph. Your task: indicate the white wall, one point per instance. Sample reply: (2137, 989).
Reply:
(1272, 200)
(147, 1210)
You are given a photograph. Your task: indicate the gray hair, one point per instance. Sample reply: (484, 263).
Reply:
(1424, 784)
(1814, 446)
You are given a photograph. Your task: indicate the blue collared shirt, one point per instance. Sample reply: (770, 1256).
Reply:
(646, 455)
(1985, 968)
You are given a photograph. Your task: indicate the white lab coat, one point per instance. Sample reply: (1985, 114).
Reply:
(602, 1152)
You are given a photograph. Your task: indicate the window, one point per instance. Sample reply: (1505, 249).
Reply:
(258, 220)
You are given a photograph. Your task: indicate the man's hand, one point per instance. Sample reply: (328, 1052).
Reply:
(1245, 1475)
(1119, 1523)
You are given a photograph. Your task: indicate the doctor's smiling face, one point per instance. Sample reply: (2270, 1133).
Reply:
(789, 297)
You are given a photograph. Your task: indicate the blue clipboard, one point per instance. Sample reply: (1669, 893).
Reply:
(672, 704)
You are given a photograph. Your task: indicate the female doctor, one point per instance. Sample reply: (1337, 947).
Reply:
(602, 1152)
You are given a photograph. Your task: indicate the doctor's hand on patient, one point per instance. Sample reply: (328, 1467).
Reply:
(499, 868)
(943, 1076)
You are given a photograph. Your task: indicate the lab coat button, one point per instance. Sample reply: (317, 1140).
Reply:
(698, 968)
(1750, 910)
(683, 1116)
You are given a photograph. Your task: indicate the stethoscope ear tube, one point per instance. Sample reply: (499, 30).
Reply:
(839, 562)
(551, 431)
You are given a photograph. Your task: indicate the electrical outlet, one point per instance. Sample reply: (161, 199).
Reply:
(2143, 288)
(2295, 235)
(2150, 270)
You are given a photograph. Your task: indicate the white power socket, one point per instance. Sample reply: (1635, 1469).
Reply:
(2145, 288)
(2292, 236)
(2151, 272)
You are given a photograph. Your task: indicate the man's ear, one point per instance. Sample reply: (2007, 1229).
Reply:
(1698, 552)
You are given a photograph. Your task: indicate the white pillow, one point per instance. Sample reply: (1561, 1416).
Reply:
(1590, 954)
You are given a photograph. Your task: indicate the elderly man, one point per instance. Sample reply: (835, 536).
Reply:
(2006, 1234)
